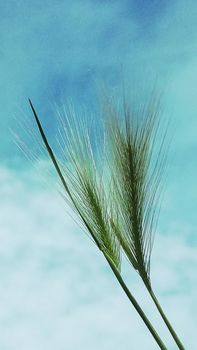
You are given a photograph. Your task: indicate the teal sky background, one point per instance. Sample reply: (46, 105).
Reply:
(56, 292)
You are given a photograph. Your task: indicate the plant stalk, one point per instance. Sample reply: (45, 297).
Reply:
(165, 319)
(136, 305)
(113, 267)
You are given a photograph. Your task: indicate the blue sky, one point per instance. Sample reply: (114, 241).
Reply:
(59, 50)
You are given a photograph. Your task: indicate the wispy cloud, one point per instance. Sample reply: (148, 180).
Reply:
(54, 281)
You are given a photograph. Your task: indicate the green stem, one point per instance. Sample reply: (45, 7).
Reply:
(168, 324)
(113, 267)
(136, 305)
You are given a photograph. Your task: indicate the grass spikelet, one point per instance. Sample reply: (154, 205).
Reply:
(83, 182)
(136, 174)
(116, 203)
(138, 161)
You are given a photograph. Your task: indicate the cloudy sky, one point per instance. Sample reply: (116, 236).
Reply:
(56, 291)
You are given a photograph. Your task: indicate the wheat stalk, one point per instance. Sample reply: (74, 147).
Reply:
(137, 164)
(84, 189)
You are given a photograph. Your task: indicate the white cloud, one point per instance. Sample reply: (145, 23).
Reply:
(56, 291)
